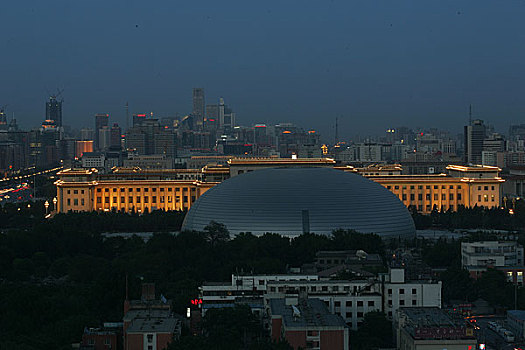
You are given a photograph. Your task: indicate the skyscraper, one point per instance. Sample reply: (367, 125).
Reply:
(54, 110)
(198, 106)
(475, 133)
(101, 120)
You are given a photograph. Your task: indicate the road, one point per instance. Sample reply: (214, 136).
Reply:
(493, 340)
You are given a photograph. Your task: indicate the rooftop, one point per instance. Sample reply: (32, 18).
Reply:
(312, 313)
(157, 325)
(517, 314)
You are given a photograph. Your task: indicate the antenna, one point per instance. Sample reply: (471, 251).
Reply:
(127, 117)
(336, 131)
(470, 114)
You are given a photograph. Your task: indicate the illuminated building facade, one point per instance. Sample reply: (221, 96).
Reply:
(136, 189)
(131, 190)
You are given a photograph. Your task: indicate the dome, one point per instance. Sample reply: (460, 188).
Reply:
(290, 201)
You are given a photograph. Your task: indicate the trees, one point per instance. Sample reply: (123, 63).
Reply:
(375, 332)
(216, 233)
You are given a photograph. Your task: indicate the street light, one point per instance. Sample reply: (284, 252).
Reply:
(46, 204)
(55, 203)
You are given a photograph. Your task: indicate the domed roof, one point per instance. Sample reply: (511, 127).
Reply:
(290, 201)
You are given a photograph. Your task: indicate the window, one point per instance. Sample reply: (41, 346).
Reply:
(146, 199)
(261, 282)
(401, 302)
(414, 291)
(106, 199)
(349, 303)
(451, 187)
(412, 197)
(138, 189)
(396, 187)
(486, 188)
(414, 302)
(106, 189)
(99, 200)
(324, 288)
(419, 187)
(479, 188)
(492, 188)
(436, 187)
(272, 289)
(75, 201)
(170, 189)
(459, 196)
(404, 196)
(427, 196)
(485, 198)
(313, 289)
(98, 190)
(427, 187)
(492, 198)
(122, 189)
(359, 303)
(401, 291)
(107, 341)
(82, 191)
(335, 288)
(122, 199)
(162, 189)
(479, 198)
(360, 314)
(154, 199)
(435, 196)
(153, 190)
(411, 187)
(130, 199)
(138, 199)
(420, 196)
(349, 314)
(130, 189)
(146, 189)
(75, 192)
(114, 199)
(389, 187)
(69, 201)
(443, 197)
(162, 199)
(337, 303)
(451, 197)
(114, 190)
(82, 201)
(370, 303)
(389, 291)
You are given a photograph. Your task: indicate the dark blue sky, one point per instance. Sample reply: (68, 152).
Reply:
(375, 64)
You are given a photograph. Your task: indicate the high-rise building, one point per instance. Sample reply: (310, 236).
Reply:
(226, 116)
(54, 110)
(198, 106)
(138, 119)
(101, 120)
(475, 133)
(115, 137)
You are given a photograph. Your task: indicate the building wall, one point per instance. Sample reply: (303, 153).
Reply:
(297, 339)
(334, 340)
(441, 192)
(411, 295)
(128, 195)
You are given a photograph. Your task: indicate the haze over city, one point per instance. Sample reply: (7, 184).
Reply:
(373, 64)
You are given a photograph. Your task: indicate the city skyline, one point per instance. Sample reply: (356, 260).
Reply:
(373, 67)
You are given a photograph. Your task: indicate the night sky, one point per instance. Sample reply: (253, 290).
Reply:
(373, 64)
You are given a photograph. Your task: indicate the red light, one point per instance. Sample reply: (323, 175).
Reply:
(211, 120)
(141, 115)
(247, 144)
(421, 134)
(260, 126)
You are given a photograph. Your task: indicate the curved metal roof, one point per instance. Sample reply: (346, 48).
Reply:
(281, 200)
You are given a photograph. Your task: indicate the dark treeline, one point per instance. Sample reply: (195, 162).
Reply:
(62, 274)
(473, 218)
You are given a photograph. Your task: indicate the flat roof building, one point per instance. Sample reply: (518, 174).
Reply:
(307, 324)
(433, 328)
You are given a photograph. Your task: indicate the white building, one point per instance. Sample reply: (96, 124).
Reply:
(349, 299)
(480, 255)
(401, 293)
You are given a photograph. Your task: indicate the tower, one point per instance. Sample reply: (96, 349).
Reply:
(475, 133)
(54, 110)
(101, 121)
(198, 106)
